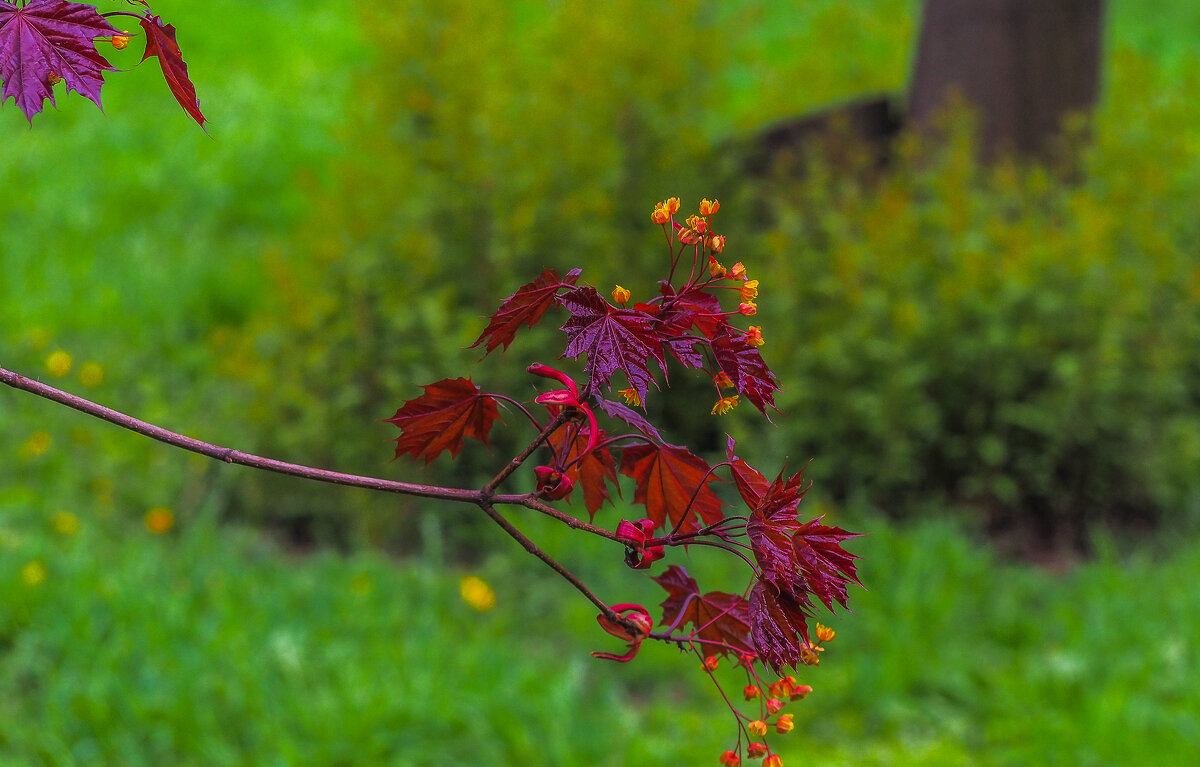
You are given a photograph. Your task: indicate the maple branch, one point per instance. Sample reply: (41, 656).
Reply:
(554, 565)
(562, 417)
(531, 502)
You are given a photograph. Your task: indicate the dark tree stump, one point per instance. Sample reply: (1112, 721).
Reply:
(1023, 64)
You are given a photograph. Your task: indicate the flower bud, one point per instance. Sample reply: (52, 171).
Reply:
(773, 761)
(756, 750)
(774, 705)
(620, 295)
(801, 692)
(757, 728)
(785, 724)
(711, 663)
(730, 759)
(120, 41)
(751, 692)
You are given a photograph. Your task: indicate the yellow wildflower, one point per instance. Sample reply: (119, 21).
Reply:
(754, 336)
(750, 290)
(65, 523)
(58, 363)
(825, 634)
(33, 573)
(477, 593)
(631, 397)
(620, 295)
(709, 207)
(724, 405)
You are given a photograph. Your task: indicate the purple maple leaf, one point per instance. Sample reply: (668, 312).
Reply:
(47, 39)
(613, 339)
(745, 368)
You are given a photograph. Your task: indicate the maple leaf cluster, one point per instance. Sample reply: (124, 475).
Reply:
(45, 42)
(797, 564)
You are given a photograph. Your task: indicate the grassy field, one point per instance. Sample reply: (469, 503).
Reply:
(135, 245)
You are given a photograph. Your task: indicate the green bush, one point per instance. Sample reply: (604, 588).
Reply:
(1010, 340)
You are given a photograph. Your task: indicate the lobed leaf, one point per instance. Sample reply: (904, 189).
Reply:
(613, 339)
(666, 477)
(46, 38)
(527, 306)
(631, 417)
(439, 419)
(715, 617)
(778, 626)
(745, 368)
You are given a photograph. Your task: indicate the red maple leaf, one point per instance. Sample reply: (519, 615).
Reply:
(745, 368)
(631, 417)
(613, 339)
(717, 617)
(527, 305)
(44, 39)
(439, 419)
(827, 568)
(160, 42)
(769, 530)
(751, 483)
(666, 477)
(778, 626)
(594, 472)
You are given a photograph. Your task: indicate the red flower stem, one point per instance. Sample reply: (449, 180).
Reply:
(523, 456)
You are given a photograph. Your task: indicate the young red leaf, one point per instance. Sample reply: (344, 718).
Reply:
(666, 478)
(827, 567)
(527, 305)
(778, 626)
(631, 417)
(160, 42)
(745, 368)
(751, 484)
(594, 473)
(715, 616)
(613, 339)
(439, 419)
(50, 38)
(769, 530)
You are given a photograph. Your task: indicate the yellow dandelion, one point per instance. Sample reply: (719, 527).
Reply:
(91, 374)
(58, 363)
(33, 573)
(477, 593)
(65, 523)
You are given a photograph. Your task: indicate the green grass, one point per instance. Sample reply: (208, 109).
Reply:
(210, 646)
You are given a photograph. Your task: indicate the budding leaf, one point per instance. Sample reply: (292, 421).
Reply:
(778, 626)
(613, 339)
(666, 477)
(527, 305)
(439, 419)
(160, 42)
(715, 616)
(45, 38)
(595, 472)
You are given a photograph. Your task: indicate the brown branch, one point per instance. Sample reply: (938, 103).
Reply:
(562, 417)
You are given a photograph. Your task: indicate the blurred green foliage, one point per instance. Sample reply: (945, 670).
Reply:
(1012, 340)
(207, 646)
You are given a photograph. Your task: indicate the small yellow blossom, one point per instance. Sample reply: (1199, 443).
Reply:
(784, 725)
(757, 728)
(748, 308)
(689, 236)
(801, 692)
(65, 523)
(808, 655)
(33, 573)
(120, 41)
(54, 79)
(91, 374)
(159, 520)
(825, 634)
(620, 295)
(750, 290)
(709, 207)
(756, 750)
(37, 444)
(751, 692)
(714, 267)
(477, 593)
(697, 224)
(672, 205)
(754, 336)
(738, 272)
(58, 363)
(631, 397)
(660, 214)
(724, 405)
(774, 760)
(715, 242)
(722, 380)
(773, 705)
